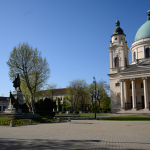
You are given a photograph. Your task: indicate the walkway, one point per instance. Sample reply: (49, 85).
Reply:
(78, 135)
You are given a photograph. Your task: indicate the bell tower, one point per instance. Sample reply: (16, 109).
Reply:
(118, 50)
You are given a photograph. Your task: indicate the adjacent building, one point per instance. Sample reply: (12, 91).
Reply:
(4, 102)
(54, 94)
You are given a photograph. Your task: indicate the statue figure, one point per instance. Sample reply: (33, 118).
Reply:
(16, 104)
(16, 82)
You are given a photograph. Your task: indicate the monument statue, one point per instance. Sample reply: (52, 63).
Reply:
(18, 106)
(16, 82)
(16, 99)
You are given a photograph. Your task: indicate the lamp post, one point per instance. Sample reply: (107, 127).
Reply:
(3, 106)
(95, 94)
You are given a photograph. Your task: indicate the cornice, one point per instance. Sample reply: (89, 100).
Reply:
(140, 42)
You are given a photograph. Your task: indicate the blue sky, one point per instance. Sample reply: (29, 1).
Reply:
(74, 35)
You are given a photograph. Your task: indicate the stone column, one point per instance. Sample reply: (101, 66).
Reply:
(125, 91)
(145, 92)
(122, 94)
(133, 93)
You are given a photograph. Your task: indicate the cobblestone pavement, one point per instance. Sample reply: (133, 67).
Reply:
(78, 135)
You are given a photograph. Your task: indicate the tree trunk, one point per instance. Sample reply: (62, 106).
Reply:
(32, 104)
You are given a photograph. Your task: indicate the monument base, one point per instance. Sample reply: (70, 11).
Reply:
(19, 95)
(13, 111)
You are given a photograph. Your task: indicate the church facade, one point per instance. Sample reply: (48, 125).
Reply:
(130, 83)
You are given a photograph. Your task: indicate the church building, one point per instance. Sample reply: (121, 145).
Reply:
(130, 83)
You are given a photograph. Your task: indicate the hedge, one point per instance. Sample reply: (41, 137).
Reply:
(46, 113)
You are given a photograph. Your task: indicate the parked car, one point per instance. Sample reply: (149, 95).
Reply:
(70, 111)
(56, 112)
(63, 112)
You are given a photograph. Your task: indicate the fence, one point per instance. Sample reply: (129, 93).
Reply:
(128, 106)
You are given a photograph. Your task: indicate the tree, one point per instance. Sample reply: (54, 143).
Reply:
(33, 69)
(77, 93)
(102, 89)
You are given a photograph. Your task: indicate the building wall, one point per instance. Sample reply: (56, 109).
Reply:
(3, 105)
(115, 95)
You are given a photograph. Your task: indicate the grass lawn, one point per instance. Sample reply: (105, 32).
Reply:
(77, 116)
(127, 118)
(6, 121)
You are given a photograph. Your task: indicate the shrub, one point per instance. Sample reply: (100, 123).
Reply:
(64, 108)
(45, 113)
(46, 105)
(76, 112)
(68, 107)
(86, 111)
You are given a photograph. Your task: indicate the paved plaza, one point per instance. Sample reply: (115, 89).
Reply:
(78, 135)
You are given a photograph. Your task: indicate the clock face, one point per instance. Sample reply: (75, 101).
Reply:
(116, 51)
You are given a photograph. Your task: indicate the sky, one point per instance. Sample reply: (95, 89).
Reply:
(73, 35)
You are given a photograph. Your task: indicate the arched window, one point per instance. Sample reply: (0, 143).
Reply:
(125, 62)
(147, 52)
(116, 62)
(134, 56)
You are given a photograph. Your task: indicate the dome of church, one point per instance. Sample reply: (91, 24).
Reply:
(144, 30)
(118, 30)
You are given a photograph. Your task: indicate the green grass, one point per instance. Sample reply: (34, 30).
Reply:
(78, 116)
(127, 118)
(6, 121)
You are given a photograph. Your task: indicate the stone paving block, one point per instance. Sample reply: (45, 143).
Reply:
(78, 135)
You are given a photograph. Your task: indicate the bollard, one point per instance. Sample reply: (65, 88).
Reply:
(46, 121)
(11, 123)
(58, 120)
(69, 119)
(30, 122)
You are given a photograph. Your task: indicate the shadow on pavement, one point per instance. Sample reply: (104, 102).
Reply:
(42, 144)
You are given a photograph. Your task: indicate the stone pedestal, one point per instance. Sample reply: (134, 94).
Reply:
(10, 109)
(19, 95)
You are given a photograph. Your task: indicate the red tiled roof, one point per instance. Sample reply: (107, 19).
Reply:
(56, 91)
(4, 98)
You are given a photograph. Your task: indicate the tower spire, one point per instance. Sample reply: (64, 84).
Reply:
(117, 23)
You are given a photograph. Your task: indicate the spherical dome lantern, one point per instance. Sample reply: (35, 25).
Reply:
(118, 30)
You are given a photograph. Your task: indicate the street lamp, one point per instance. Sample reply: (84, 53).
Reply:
(3, 106)
(95, 94)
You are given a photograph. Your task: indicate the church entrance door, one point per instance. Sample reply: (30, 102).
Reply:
(131, 101)
(143, 105)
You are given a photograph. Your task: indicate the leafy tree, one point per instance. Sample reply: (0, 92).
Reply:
(77, 94)
(102, 89)
(33, 69)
